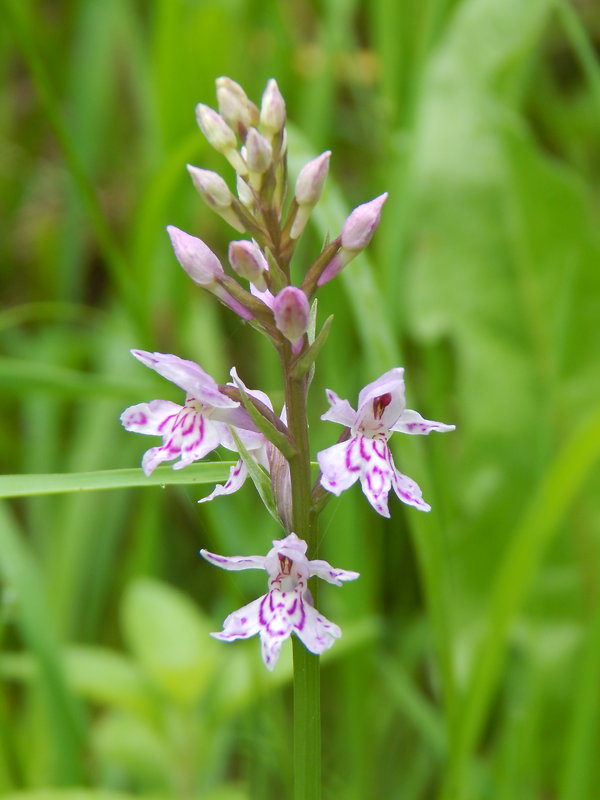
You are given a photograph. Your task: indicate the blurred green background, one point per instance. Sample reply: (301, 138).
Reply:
(470, 663)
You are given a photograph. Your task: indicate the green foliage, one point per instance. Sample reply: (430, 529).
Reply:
(471, 648)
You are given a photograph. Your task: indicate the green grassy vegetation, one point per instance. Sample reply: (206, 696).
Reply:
(470, 659)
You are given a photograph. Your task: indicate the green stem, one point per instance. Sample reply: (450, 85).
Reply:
(307, 716)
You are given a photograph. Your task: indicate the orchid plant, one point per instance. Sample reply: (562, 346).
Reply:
(274, 450)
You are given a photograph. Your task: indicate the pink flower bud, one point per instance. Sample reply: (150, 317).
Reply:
(360, 226)
(357, 232)
(220, 136)
(234, 106)
(291, 310)
(308, 190)
(211, 187)
(272, 110)
(214, 127)
(248, 261)
(258, 152)
(215, 193)
(311, 179)
(198, 260)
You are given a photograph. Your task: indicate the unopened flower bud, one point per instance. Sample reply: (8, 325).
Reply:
(311, 179)
(204, 268)
(308, 190)
(272, 110)
(258, 152)
(248, 261)
(215, 193)
(292, 311)
(360, 226)
(234, 106)
(220, 136)
(357, 232)
(197, 259)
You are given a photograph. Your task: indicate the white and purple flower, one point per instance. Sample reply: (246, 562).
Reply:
(287, 607)
(191, 431)
(366, 456)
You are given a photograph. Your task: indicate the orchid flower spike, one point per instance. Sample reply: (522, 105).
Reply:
(287, 607)
(191, 431)
(366, 455)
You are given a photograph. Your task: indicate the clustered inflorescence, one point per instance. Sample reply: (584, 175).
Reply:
(243, 420)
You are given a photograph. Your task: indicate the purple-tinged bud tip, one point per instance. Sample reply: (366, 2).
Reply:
(198, 260)
(214, 127)
(220, 136)
(272, 110)
(248, 261)
(258, 152)
(234, 106)
(360, 226)
(311, 179)
(211, 186)
(292, 311)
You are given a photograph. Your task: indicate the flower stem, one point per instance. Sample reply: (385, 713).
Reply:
(307, 700)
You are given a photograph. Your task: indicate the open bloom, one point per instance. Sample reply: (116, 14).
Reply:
(366, 455)
(259, 449)
(192, 430)
(287, 607)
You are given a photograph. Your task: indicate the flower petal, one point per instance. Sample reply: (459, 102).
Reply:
(241, 624)
(197, 438)
(324, 570)
(339, 471)
(341, 411)
(155, 456)
(188, 375)
(381, 402)
(237, 475)
(408, 491)
(234, 563)
(315, 631)
(150, 418)
(412, 422)
(278, 614)
(376, 478)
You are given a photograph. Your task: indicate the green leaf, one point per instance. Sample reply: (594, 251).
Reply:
(259, 477)
(170, 638)
(24, 485)
(276, 437)
(307, 359)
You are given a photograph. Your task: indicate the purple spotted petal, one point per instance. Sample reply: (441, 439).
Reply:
(241, 624)
(381, 402)
(412, 422)
(339, 469)
(237, 476)
(150, 418)
(376, 476)
(324, 570)
(234, 563)
(408, 491)
(316, 632)
(279, 613)
(341, 411)
(187, 375)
